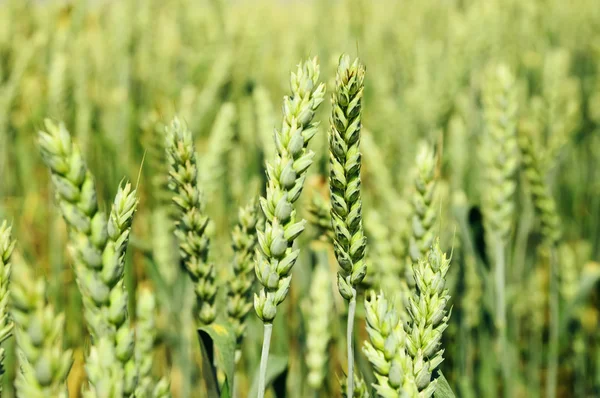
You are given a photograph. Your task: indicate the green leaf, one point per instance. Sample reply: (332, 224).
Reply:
(443, 389)
(217, 342)
(225, 393)
(276, 366)
(208, 371)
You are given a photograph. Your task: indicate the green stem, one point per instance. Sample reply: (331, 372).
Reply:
(551, 380)
(264, 358)
(349, 339)
(501, 314)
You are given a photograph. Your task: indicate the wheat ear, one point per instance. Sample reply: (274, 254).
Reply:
(191, 220)
(344, 181)
(286, 174)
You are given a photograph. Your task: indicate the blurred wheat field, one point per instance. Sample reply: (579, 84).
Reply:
(505, 94)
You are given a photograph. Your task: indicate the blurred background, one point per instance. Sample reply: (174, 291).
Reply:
(116, 71)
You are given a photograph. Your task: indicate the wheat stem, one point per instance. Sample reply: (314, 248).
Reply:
(264, 358)
(554, 325)
(349, 337)
(500, 279)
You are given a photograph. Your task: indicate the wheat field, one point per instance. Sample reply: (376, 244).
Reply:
(328, 198)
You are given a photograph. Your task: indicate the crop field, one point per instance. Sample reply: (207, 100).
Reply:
(303, 199)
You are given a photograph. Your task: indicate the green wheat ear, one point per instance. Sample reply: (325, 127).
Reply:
(500, 151)
(385, 348)
(540, 192)
(191, 220)
(97, 244)
(286, 174)
(44, 364)
(239, 293)
(344, 177)
(424, 212)
(349, 241)
(429, 316)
